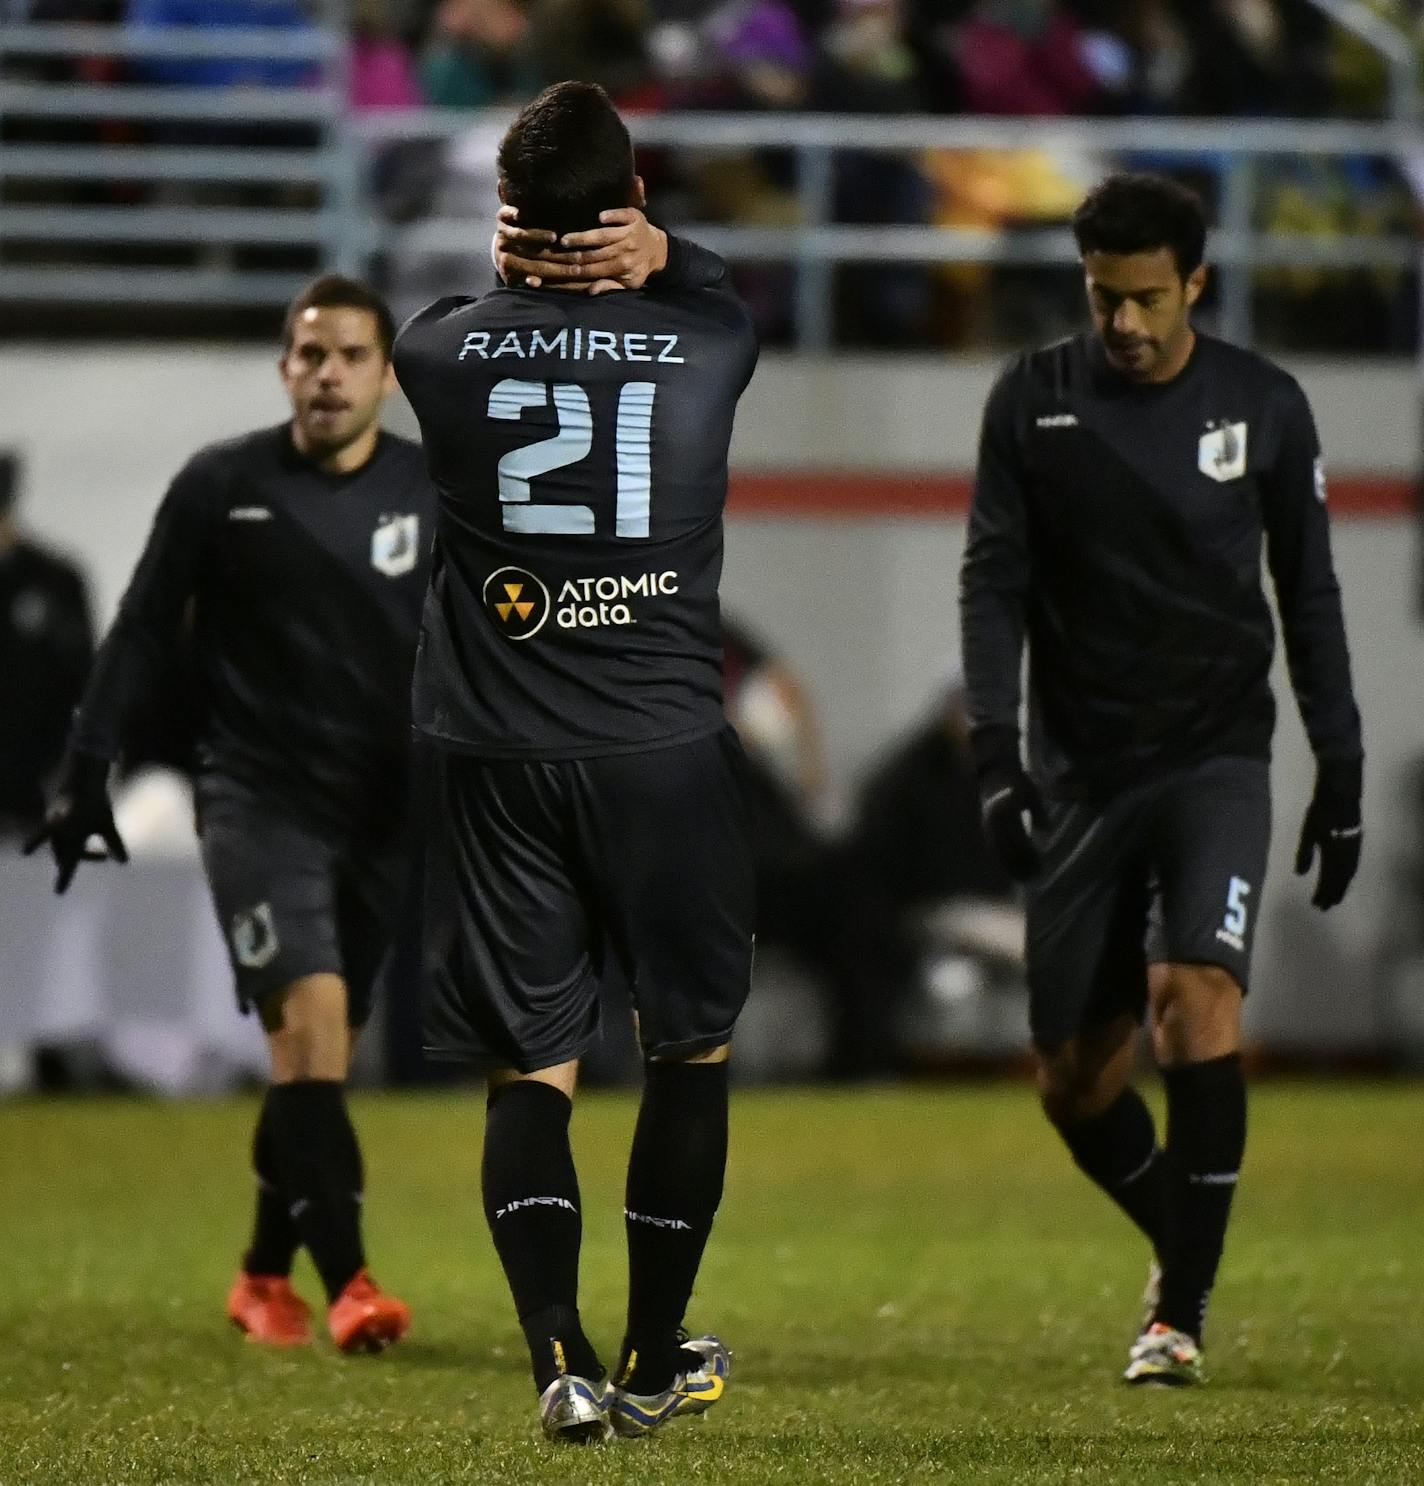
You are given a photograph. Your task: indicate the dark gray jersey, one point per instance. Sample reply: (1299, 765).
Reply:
(579, 448)
(304, 591)
(1118, 528)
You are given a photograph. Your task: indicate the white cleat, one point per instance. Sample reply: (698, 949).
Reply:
(574, 1410)
(691, 1392)
(1167, 1358)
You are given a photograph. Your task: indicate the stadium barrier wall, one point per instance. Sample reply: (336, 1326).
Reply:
(843, 547)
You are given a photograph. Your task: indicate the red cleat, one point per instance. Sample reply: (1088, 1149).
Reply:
(267, 1308)
(363, 1318)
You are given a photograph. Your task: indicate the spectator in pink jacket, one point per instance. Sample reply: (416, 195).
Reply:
(1024, 57)
(382, 68)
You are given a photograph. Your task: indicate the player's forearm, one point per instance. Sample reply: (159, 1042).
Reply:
(125, 673)
(1319, 662)
(1313, 628)
(992, 640)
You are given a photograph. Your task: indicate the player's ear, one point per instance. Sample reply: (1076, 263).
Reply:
(1196, 284)
(503, 199)
(640, 194)
(388, 381)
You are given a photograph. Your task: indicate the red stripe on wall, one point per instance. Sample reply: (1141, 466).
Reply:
(817, 493)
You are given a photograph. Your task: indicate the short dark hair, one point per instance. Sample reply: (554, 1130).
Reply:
(1138, 213)
(334, 291)
(566, 158)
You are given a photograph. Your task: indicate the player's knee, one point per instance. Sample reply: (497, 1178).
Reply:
(1196, 1012)
(1070, 1091)
(307, 1029)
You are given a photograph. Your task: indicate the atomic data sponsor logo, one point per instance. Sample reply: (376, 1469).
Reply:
(519, 603)
(597, 603)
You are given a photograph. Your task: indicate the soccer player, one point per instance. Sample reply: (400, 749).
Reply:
(1126, 480)
(299, 557)
(591, 794)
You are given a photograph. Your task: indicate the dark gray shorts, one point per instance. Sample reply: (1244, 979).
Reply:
(1168, 871)
(546, 878)
(291, 902)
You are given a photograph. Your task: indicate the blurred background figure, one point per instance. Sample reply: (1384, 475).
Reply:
(949, 920)
(478, 54)
(46, 648)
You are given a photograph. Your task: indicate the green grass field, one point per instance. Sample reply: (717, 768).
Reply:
(916, 1284)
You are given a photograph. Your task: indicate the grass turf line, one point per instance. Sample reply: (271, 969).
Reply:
(917, 1285)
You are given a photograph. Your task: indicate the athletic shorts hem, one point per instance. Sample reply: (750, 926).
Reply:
(250, 999)
(557, 753)
(482, 1057)
(1222, 961)
(688, 1046)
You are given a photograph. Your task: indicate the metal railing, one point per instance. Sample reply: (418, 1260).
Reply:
(331, 215)
(1239, 152)
(42, 240)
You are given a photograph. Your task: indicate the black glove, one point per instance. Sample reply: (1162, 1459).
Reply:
(80, 810)
(1006, 796)
(1332, 827)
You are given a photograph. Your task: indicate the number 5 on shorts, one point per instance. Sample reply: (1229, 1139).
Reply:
(1234, 924)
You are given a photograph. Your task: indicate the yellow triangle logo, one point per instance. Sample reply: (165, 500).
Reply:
(503, 610)
(513, 590)
(523, 610)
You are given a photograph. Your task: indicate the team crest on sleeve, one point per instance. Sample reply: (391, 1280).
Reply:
(254, 937)
(1221, 451)
(395, 545)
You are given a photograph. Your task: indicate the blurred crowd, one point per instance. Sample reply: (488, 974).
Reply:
(1022, 57)
(1037, 58)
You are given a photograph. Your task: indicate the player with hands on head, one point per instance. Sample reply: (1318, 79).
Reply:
(592, 801)
(621, 254)
(1128, 479)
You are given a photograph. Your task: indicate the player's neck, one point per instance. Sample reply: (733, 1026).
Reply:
(1172, 368)
(343, 460)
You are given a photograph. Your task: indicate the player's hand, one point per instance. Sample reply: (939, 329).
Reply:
(620, 254)
(1333, 828)
(1011, 806)
(80, 811)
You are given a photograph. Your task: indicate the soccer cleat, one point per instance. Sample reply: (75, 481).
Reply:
(1168, 1358)
(692, 1391)
(574, 1410)
(267, 1308)
(363, 1318)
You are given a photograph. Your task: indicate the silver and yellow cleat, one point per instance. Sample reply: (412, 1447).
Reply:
(574, 1410)
(691, 1392)
(1167, 1358)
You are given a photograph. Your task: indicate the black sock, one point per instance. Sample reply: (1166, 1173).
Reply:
(319, 1169)
(675, 1175)
(1118, 1150)
(532, 1206)
(1206, 1137)
(275, 1239)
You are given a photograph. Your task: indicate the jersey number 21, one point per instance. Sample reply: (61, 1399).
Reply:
(632, 445)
